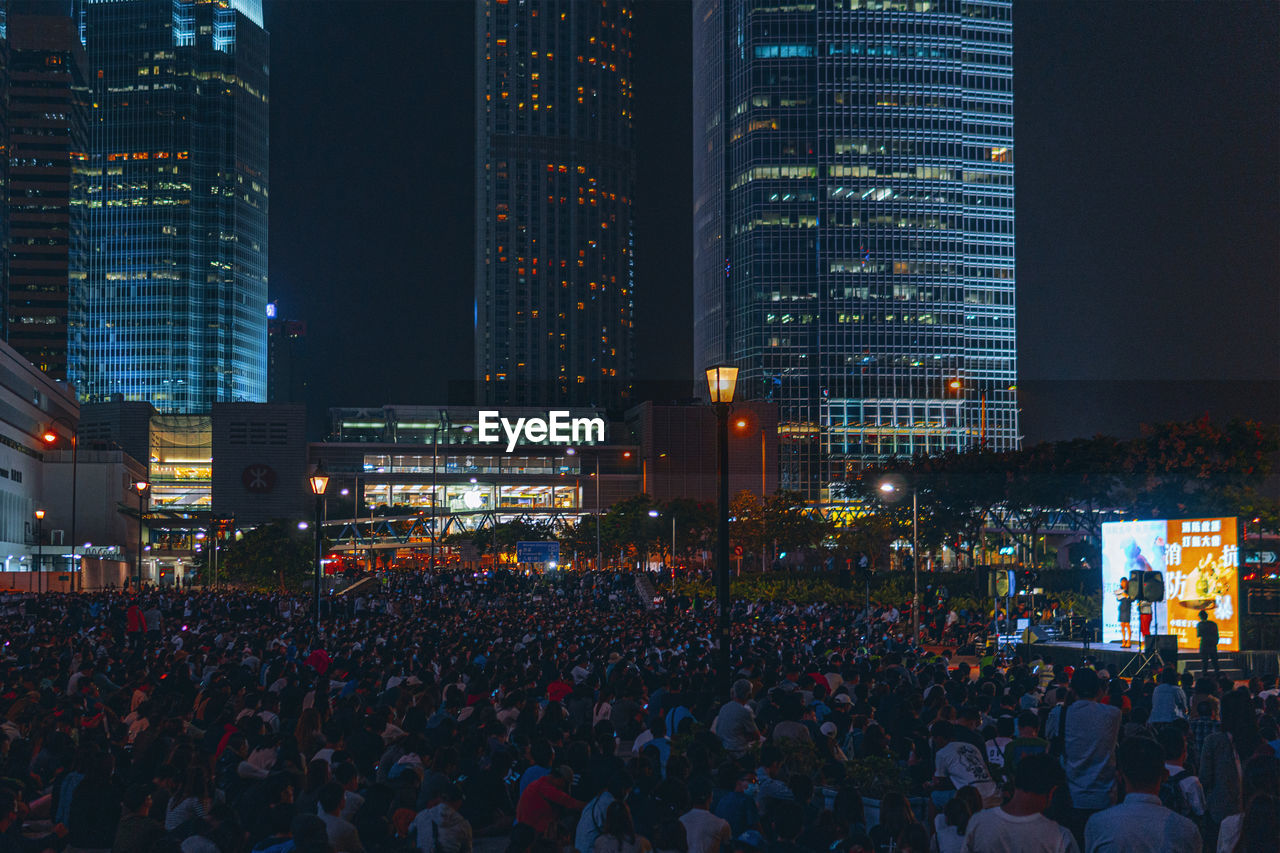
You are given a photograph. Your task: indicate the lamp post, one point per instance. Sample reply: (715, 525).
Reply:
(39, 550)
(653, 513)
(142, 487)
(894, 486)
(721, 382)
(49, 437)
(319, 481)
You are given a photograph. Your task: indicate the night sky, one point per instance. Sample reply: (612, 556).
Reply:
(1148, 216)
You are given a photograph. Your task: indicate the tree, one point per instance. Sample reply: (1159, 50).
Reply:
(271, 556)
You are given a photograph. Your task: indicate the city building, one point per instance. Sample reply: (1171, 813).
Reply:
(174, 307)
(260, 462)
(43, 522)
(854, 224)
(286, 354)
(678, 449)
(259, 474)
(44, 100)
(555, 176)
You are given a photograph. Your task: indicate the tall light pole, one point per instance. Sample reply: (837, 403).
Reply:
(653, 513)
(319, 482)
(49, 437)
(39, 550)
(721, 382)
(894, 486)
(435, 467)
(142, 487)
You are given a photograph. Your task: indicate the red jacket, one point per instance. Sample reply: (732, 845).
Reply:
(537, 806)
(134, 620)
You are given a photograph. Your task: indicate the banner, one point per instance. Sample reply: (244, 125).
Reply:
(1199, 559)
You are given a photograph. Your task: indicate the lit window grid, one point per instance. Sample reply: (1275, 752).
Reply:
(167, 315)
(974, 295)
(561, 330)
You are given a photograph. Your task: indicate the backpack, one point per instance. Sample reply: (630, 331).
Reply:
(1174, 798)
(1058, 743)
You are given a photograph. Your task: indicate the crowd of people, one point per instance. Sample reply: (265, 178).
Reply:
(566, 715)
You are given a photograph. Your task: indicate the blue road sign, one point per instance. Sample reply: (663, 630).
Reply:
(538, 552)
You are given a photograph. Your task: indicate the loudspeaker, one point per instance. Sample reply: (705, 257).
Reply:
(1166, 644)
(1152, 586)
(1135, 585)
(1035, 634)
(999, 583)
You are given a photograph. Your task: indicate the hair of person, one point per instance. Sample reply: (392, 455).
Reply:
(1029, 720)
(896, 813)
(1261, 825)
(671, 835)
(1261, 775)
(1085, 682)
(1141, 760)
(957, 814)
(914, 838)
(1173, 741)
(1038, 774)
(1240, 721)
(618, 823)
(330, 796)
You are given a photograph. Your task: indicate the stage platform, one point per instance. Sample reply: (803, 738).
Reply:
(1237, 665)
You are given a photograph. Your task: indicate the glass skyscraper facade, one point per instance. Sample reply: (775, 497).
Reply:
(173, 310)
(45, 97)
(555, 173)
(854, 224)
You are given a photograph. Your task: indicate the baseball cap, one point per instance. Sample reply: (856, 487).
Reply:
(828, 729)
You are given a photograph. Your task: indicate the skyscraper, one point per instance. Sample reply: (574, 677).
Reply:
(44, 99)
(174, 307)
(555, 172)
(854, 223)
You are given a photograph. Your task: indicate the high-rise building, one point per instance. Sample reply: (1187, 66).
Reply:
(174, 307)
(555, 173)
(44, 99)
(286, 340)
(854, 224)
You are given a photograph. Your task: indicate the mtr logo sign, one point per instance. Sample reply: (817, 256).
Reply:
(557, 428)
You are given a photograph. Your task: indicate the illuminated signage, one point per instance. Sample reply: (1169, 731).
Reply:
(1199, 559)
(559, 427)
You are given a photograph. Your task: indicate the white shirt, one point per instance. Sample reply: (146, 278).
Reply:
(997, 831)
(706, 832)
(946, 839)
(961, 763)
(1191, 788)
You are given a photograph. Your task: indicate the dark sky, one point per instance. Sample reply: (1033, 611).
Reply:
(1148, 217)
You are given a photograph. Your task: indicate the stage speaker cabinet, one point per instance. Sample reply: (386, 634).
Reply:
(1166, 644)
(1000, 583)
(1035, 634)
(1135, 585)
(1152, 586)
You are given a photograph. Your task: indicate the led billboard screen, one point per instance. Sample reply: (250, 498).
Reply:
(1199, 560)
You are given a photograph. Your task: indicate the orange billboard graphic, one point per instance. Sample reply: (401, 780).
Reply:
(1202, 573)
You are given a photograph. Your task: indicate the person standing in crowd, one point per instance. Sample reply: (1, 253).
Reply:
(1141, 824)
(1020, 825)
(1085, 733)
(1225, 752)
(1168, 702)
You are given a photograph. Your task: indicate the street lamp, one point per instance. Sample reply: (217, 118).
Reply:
(319, 481)
(39, 550)
(51, 437)
(891, 488)
(142, 487)
(721, 382)
(653, 513)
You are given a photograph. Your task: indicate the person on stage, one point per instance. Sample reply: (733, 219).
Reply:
(1125, 601)
(1207, 631)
